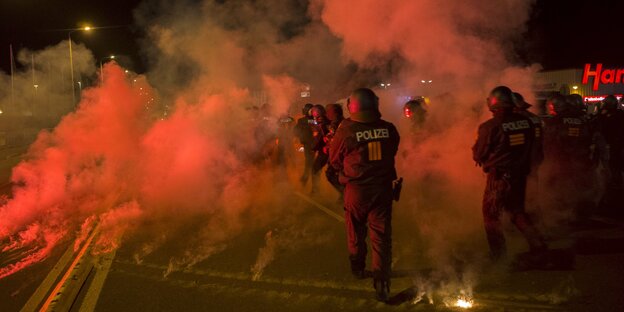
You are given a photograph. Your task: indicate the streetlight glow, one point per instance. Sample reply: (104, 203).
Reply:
(111, 57)
(71, 60)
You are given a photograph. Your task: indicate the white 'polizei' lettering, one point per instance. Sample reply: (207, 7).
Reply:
(536, 120)
(372, 134)
(572, 121)
(516, 125)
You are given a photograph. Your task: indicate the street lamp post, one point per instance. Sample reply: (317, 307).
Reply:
(112, 57)
(71, 62)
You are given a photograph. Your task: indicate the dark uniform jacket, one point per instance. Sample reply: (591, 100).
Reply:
(303, 130)
(364, 153)
(504, 143)
(537, 154)
(611, 126)
(319, 131)
(567, 138)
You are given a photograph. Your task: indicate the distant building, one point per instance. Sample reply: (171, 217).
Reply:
(570, 81)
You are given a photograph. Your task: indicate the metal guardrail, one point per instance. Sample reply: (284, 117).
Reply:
(66, 280)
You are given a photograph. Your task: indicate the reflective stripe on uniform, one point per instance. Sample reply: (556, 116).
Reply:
(374, 150)
(516, 139)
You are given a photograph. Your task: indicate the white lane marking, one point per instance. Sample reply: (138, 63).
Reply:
(321, 207)
(102, 269)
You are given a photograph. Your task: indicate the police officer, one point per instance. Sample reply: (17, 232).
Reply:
(415, 111)
(503, 149)
(335, 116)
(363, 151)
(537, 150)
(303, 131)
(567, 150)
(320, 128)
(610, 128)
(537, 153)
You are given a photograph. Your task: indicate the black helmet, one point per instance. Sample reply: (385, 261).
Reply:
(557, 104)
(414, 106)
(334, 111)
(610, 103)
(576, 100)
(500, 97)
(520, 102)
(306, 109)
(319, 109)
(363, 104)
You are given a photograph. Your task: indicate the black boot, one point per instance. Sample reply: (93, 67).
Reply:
(357, 268)
(382, 289)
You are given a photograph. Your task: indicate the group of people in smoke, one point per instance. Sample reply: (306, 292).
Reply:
(315, 131)
(560, 151)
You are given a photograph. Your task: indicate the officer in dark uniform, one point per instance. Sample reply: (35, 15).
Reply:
(335, 116)
(537, 153)
(415, 111)
(303, 131)
(537, 150)
(319, 131)
(610, 129)
(503, 148)
(363, 151)
(567, 150)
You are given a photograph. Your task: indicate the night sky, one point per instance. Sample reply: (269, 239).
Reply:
(561, 34)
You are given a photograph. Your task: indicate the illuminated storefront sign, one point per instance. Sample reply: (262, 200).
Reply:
(598, 98)
(602, 76)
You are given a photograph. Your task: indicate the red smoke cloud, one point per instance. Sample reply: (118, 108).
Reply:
(111, 162)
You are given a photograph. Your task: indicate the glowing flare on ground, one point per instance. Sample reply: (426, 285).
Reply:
(464, 303)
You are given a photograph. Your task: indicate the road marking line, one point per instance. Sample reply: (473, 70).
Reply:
(242, 284)
(55, 292)
(48, 282)
(321, 207)
(242, 277)
(93, 294)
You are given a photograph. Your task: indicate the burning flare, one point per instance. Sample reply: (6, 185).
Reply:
(464, 303)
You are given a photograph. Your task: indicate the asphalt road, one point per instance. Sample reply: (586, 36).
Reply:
(298, 262)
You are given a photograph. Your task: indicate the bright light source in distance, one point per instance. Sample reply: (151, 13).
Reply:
(112, 57)
(87, 28)
(430, 81)
(422, 81)
(383, 85)
(574, 87)
(388, 85)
